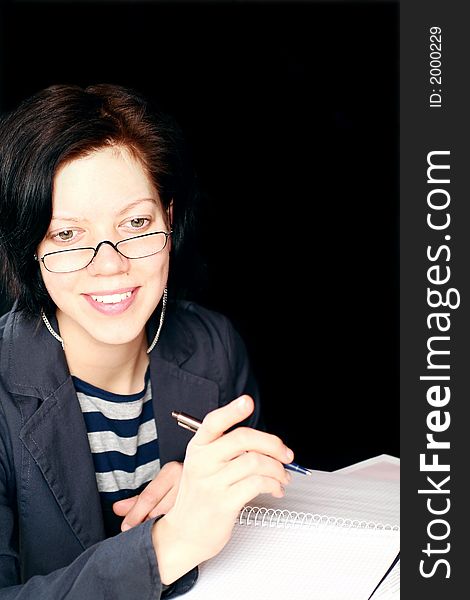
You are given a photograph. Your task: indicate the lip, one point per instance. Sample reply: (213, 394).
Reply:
(111, 292)
(112, 309)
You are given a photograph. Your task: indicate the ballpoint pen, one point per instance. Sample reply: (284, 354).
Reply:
(192, 424)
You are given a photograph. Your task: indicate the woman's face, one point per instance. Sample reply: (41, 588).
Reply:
(105, 196)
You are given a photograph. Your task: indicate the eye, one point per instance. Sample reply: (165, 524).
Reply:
(138, 222)
(67, 235)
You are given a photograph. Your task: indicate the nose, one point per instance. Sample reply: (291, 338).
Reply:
(108, 261)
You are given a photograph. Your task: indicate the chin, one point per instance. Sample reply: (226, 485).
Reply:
(115, 331)
(114, 339)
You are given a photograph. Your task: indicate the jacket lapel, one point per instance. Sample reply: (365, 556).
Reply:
(54, 433)
(174, 388)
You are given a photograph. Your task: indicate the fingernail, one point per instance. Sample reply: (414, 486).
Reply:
(125, 527)
(289, 455)
(288, 477)
(241, 403)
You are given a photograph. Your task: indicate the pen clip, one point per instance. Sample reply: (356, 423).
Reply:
(186, 421)
(186, 426)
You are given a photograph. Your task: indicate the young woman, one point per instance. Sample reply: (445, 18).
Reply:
(95, 499)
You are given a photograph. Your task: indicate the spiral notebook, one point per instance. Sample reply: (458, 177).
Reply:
(332, 537)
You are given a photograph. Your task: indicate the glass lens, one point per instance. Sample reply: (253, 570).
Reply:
(71, 260)
(142, 246)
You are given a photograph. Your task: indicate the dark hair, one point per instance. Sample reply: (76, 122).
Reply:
(65, 122)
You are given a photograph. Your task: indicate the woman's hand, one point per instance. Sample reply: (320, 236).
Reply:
(156, 499)
(221, 473)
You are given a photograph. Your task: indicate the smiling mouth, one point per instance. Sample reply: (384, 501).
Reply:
(112, 298)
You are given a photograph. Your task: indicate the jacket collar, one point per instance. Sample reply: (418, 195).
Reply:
(27, 353)
(33, 363)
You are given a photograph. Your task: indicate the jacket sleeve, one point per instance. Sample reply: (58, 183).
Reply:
(241, 374)
(115, 568)
(123, 567)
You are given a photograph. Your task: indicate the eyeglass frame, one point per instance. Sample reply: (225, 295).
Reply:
(96, 250)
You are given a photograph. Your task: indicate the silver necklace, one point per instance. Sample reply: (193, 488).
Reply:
(150, 348)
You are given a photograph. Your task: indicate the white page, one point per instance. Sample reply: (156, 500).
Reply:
(339, 496)
(326, 563)
(305, 563)
(380, 467)
(390, 588)
(384, 467)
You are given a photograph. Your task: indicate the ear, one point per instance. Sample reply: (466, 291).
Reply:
(169, 211)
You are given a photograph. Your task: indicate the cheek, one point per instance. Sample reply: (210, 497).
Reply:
(48, 280)
(157, 270)
(57, 284)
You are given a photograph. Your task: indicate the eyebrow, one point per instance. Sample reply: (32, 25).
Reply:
(74, 219)
(121, 212)
(136, 203)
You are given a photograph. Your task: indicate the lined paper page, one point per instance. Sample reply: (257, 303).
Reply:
(381, 467)
(318, 563)
(390, 588)
(339, 496)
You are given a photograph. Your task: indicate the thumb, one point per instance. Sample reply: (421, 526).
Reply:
(218, 421)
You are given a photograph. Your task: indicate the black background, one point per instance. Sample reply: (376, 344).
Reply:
(291, 110)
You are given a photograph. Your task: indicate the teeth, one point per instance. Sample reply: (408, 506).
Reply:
(113, 298)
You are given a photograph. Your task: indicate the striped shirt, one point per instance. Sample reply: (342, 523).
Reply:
(122, 437)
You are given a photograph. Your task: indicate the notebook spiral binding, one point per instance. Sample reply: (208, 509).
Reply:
(270, 517)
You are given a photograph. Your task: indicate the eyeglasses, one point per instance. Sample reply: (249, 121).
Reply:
(75, 259)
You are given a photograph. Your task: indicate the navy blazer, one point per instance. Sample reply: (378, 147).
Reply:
(52, 539)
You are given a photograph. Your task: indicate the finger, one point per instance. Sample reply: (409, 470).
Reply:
(145, 503)
(242, 492)
(167, 478)
(219, 420)
(165, 504)
(122, 507)
(252, 463)
(246, 439)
